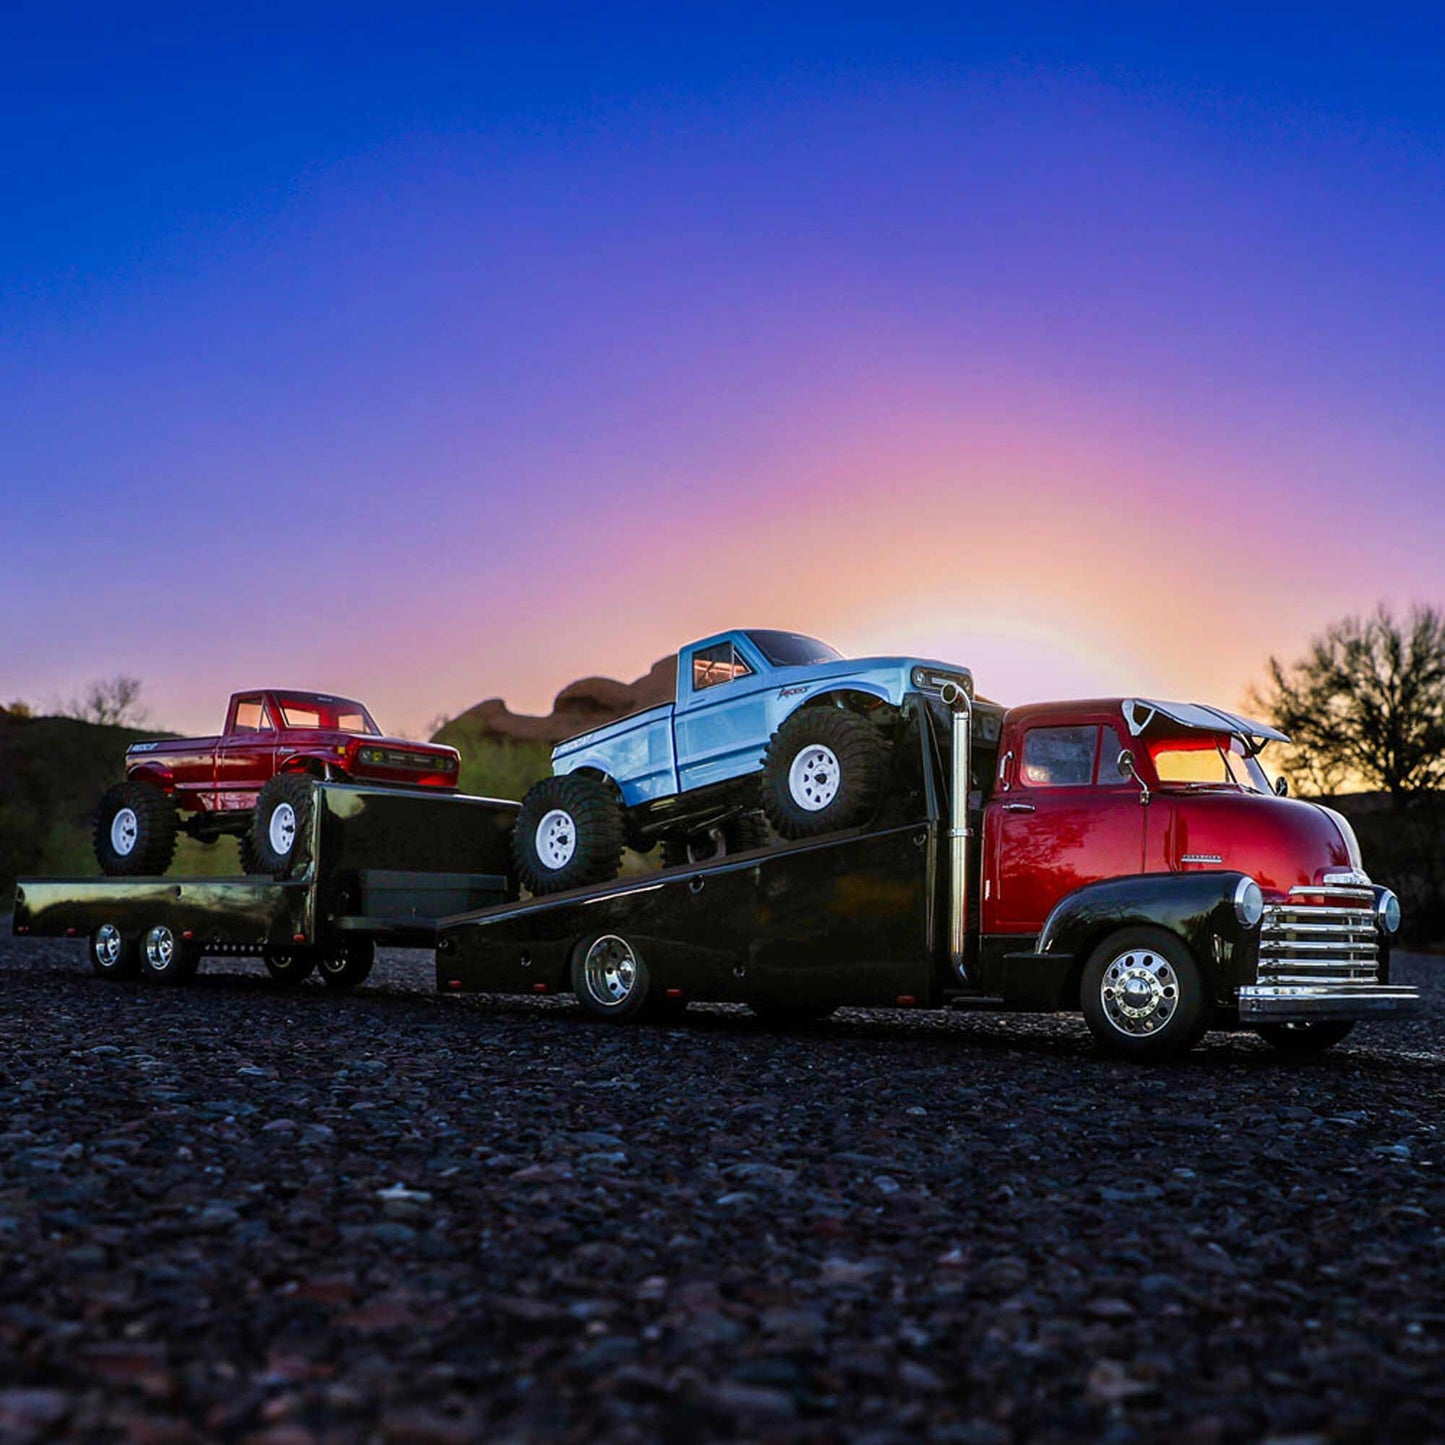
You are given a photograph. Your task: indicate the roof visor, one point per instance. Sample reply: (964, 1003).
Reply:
(1139, 712)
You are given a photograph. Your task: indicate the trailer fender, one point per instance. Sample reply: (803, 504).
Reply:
(1196, 907)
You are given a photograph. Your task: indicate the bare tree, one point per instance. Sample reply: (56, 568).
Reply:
(1366, 703)
(112, 702)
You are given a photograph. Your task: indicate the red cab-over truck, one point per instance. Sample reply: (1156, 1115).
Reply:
(1127, 858)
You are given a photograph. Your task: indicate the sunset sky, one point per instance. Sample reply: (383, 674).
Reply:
(435, 353)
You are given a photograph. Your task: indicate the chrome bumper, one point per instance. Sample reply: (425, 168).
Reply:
(1277, 1003)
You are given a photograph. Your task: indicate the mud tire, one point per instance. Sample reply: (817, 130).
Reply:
(570, 832)
(269, 827)
(135, 831)
(855, 758)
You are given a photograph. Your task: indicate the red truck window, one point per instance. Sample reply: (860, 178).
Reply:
(251, 716)
(333, 714)
(1071, 757)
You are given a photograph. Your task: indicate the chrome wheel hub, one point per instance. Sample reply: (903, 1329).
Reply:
(124, 832)
(815, 777)
(107, 945)
(610, 970)
(160, 948)
(1140, 992)
(281, 830)
(556, 839)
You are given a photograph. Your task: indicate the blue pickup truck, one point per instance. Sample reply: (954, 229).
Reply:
(768, 727)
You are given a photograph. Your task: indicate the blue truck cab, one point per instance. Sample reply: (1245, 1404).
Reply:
(765, 724)
(734, 690)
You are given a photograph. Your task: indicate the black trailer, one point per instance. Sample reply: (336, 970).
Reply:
(381, 866)
(886, 916)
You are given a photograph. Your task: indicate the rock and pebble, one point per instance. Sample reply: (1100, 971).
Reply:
(233, 1211)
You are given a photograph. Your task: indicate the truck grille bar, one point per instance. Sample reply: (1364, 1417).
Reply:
(1320, 935)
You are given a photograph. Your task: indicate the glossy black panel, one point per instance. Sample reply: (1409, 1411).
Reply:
(840, 920)
(1199, 907)
(240, 911)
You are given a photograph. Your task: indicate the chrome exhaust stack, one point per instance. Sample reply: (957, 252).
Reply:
(960, 706)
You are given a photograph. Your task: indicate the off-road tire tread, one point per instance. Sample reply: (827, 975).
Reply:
(298, 789)
(863, 755)
(597, 814)
(156, 823)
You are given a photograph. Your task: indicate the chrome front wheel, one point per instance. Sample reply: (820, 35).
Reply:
(1142, 994)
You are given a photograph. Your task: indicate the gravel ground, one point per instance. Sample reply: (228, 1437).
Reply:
(233, 1212)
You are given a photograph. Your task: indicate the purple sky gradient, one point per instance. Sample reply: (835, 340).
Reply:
(464, 366)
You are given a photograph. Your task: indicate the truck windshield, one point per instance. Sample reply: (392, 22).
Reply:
(793, 649)
(1206, 761)
(332, 714)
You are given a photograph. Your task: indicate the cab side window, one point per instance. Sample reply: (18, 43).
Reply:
(1060, 757)
(1071, 757)
(251, 716)
(713, 666)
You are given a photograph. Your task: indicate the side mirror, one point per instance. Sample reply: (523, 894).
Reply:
(1126, 766)
(1281, 786)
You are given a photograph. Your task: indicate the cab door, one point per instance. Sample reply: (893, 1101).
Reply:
(246, 755)
(721, 720)
(1068, 817)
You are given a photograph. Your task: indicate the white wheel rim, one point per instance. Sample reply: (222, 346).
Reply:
(124, 832)
(610, 971)
(814, 778)
(282, 829)
(556, 839)
(107, 945)
(160, 948)
(1140, 992)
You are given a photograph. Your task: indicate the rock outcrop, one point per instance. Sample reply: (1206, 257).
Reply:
(588, 703)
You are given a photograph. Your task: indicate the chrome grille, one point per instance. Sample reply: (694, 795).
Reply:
(1320, 936)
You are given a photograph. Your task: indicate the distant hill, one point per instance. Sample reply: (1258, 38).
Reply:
(53, 771)
(504, 753)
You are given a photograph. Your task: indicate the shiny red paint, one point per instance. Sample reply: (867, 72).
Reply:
(223, 774)
(1042, 841)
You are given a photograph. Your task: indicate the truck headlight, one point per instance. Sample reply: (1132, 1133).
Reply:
(1248, 902)
(1387, 913)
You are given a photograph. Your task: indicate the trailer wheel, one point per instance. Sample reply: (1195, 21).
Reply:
(281, 826)
(609, 978)
(348, 964)
(739, 834)
(1142, 995)
(823, 769)
(167, 958)
(570, 831)
(112, 954)
(1305, 1038)
(288, 966)
(135, 830)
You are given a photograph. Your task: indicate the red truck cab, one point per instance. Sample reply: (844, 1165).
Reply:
(274, 739)
(1190, 796)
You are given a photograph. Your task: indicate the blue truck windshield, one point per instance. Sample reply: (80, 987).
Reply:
(792, 649)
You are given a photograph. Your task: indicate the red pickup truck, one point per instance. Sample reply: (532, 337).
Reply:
(253, 780)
